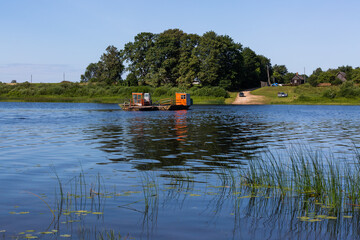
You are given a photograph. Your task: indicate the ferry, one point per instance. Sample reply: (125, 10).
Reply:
(143, 102)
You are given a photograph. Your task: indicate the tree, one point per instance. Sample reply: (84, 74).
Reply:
(91, 73)
(288, 76)
(220, 61)
(313, 80)
(279, 72)
(265, 66)
(252, 69)
(137, 54)
(356, 75)
(108, 70)
(346, 69)
(189, 64)
(131, 80)
(111, 66)
(165, 57)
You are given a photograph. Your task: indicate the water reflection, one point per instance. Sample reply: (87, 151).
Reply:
(178, 139)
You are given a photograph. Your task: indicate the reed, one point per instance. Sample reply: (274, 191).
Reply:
(304, 174)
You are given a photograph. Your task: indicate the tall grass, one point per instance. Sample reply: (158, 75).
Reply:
(306, 174)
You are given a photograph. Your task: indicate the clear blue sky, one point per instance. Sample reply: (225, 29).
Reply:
(45, 38)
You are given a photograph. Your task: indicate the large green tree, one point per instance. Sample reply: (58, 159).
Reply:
(111, 66)
(220, 61)
(279, 72)
(91, 73)
(189, 63)
(175, 58)
(165, 58)
(251, 69)
(137, 55)
(108, 70)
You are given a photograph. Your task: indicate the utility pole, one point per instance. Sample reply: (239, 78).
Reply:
(268, 74)
(304, 75)
(31, 79)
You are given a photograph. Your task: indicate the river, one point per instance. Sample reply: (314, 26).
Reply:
(82, 170)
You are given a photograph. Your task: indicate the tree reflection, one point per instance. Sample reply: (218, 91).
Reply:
(188, 139)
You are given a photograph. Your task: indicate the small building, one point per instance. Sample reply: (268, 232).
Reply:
(341, 76)
(264, 84)
(297, 80)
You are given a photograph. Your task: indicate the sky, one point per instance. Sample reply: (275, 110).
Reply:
(44, 40)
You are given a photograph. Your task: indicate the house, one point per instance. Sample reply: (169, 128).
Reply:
(297, 80)
(341, 76)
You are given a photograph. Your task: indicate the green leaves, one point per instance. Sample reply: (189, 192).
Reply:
(174, 58)
(108, 70)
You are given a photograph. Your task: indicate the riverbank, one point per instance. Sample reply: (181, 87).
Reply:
(97, 93)
(249, 99)
(110, 99)
(308, 95)
(345, 94)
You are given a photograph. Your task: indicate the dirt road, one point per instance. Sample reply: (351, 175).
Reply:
(249, 99)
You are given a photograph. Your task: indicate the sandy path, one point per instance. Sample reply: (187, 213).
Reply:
(249, 99)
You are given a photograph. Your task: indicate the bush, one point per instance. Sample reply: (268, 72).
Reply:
(330, 93)
(211, 91)
(303, 98)
(349, 90)
(161, 91)
(336, 82)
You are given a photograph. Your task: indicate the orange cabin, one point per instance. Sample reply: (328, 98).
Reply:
(138, 99)
(141, 99)
(183, 99)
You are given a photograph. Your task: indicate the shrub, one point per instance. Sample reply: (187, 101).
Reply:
(330, 93)
(211, 91)
(303, 98)
(349, 90)
(336, 82)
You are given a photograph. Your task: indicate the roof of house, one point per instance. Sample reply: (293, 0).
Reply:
(341, 73)
(297, 76)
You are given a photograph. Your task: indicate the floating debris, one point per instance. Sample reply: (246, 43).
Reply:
(65, 235)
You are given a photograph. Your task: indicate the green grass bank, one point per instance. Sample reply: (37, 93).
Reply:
(345, 94)
(98, 93)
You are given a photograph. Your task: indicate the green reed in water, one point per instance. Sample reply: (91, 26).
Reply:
(306, 174)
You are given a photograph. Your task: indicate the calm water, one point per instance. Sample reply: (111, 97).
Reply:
(155, 175)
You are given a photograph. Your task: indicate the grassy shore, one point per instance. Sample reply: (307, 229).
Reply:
(97, 93)
(345, 94)
(306, 95)
(108, 99)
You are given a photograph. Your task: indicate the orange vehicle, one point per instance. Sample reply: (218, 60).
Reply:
(143, 102)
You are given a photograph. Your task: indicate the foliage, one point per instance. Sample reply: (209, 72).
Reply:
(306, 94)
(108, 70)
(279, 72)
(210, 91)
(68, 90)
(330, 76)
(330, 93)
(349, 90)
(177, 59)
(355, 75)
(255, 68)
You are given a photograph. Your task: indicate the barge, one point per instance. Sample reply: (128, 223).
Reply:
(143, 102)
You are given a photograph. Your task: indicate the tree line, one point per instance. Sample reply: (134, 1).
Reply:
(177, 59)
(330, 75)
